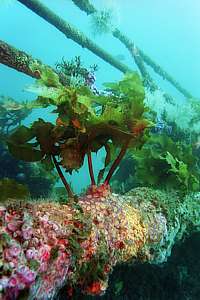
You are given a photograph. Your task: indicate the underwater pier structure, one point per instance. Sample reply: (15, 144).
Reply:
(46, 245)
(72, 33)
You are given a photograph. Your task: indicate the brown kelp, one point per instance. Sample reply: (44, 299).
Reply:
(85, 123)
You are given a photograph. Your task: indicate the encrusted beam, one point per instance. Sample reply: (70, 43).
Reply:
(22, 62)
(72, 33)
(17, 59)
(89, 9)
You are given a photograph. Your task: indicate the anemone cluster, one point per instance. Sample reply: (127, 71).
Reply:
(46, 245)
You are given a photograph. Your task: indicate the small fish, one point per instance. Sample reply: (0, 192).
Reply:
(197, 144)
(11, 105)
(76, 123)
(21, 176)
(138, 127)
(59, 122)
(161, 127)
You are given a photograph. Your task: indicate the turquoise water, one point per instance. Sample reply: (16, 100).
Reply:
(168, 31)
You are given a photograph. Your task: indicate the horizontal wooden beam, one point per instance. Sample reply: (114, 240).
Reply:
(72, 33)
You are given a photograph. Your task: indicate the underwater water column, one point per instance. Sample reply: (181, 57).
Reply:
(72, 33)
(156, 67)
(141, 56)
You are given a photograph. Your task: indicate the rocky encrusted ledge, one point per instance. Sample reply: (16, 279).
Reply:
(46, 245)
